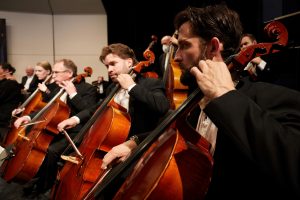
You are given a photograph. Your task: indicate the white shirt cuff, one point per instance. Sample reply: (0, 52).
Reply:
(76, 119)
(72, 95)
(130, 87)
(28, 117)
(262, 65)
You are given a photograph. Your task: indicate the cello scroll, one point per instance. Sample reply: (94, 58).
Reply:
(276, 31)
(150, 58)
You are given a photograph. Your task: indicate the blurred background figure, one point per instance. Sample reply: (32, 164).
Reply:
(101, 84)
(11, 71)
(257, 65)
(29, 81)
(165, 44)
(10, 98)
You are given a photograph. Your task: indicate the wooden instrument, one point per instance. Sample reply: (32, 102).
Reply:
(108, 127)
(30, 151)
(33, 103)
(161, 171)
(175, 90)
(146, 54)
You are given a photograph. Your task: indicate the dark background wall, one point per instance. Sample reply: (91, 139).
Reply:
(3, 45)
(133, 23)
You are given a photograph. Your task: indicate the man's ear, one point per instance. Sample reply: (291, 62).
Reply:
(215, 49)
(130, 62)
(215, 45)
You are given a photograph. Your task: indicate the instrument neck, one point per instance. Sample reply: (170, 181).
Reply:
(44, 109)
(32, 96)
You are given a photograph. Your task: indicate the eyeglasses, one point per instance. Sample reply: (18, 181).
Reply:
(57, 72)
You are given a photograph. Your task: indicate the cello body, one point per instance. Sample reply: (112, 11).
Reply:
(180, 162)
(179, 90)
(31, 150)
(109, 130)
(170, 169)
(34, 103)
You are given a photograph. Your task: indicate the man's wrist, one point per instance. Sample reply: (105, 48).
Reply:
(135, 139)
(76, 119)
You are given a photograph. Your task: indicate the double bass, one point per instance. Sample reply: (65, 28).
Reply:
(108, 127)
(31, 149)
(161, 171)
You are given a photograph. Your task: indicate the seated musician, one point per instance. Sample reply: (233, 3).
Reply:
(78, 96)
(101, 84)
(253, 127)
(10, 97)
(143, 98)
(42, 70)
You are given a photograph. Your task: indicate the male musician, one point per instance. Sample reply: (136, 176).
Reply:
(253, 127)
(257, 66)
(165, 43)
(101, 84)
(29, 82)
(10, 98)
(78, 95)
(143, 98)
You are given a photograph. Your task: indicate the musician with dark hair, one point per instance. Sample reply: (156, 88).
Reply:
(253, 127)
(10, 98)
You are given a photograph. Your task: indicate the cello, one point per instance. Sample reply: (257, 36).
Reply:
(31, 149)
(162, 150)
(32, 103)
(108, 127)
(151, 74)
(175, 90)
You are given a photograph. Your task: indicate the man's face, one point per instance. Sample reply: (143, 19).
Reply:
(116, 65)
(189, 52)
(245, 42)
(100, 79)
(29, 71)
(61, 73)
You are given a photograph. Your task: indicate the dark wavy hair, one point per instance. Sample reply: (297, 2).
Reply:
(214, 21)
(119, 49)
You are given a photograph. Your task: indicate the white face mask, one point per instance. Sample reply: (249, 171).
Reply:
(165, 48)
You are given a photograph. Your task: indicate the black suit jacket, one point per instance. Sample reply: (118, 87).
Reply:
(258, 143)
(105, 85)
(33, 84)
(10, 98)
(86, 96)
(147, 105)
